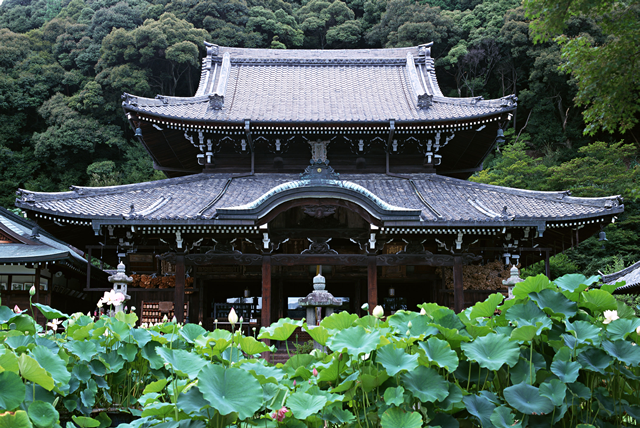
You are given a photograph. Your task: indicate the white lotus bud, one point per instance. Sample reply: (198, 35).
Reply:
(638, 331)
(423, 312)
(233, 317)
(378, 312)
(32, 290)
(409, 324)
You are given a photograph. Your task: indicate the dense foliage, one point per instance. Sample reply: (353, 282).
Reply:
(560, 353)
(65, 63)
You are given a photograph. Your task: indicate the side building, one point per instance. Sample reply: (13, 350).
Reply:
(287, 162)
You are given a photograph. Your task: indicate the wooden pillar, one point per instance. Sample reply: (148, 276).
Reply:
(88, 268)
(266, 291)
(178, 300)
(372, 283)
(357, 300)
(200, 283)
(458, 288)
(547, 266)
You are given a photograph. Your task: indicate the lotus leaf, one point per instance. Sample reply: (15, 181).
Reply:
(317, 333)
(191, 331)
(158, 409)
(128, 351)
(481, 408)
(555, 302)
(31, 370)
(331, 373)
(426, 384)
(7, 315)
(331, 398)
(567, 371)
(452, 335)
(192, 402)
(50, 313)
(12, 390)
(579, 390)
(81, 372)
(395, 360)
(113, 361)
(88, 398)
(594, 359)
(454, 399)
(394, 396)
(585, 332)
(503, 418)
(97, 368)
(621, 328)
(8, 361)
(43, 415)
(230, 390)
(624, 351)
(488, 307)
(355, 340)
(280, 330)
(303, 405)
(18, 419)
(526, 333)
(149, 353)
(251, 346)
(372, 378)
(334, 413)
(572, 281)
(19, 343)
(530, 285)
(263, 373)
(555, 390)
(52, 364)
(633, 411)
(156, 386)
(445, 317)
(83, 349)
(492, 351)
(444, 420)
(527, 314)
(24, 323)
(141, 336)
(440, 353)
(527, 399)
(398, 418)
(598, 300)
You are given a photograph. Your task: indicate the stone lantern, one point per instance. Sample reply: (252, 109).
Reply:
(316, 300)
(512, 281)
(120, 281)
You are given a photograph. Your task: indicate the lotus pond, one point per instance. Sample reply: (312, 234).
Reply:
(560, 353)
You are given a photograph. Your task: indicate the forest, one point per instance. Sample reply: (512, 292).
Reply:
(572, 64)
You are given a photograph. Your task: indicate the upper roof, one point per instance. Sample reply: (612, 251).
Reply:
(630, 275)
(29, 243)
(422, 199)
(332, 86)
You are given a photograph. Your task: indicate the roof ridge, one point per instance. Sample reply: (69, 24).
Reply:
(616, 275)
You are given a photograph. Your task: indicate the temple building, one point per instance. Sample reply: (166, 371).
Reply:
(285, 162)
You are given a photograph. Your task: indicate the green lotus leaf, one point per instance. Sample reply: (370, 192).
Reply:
(623, 351)
(598, 300)
(398, 418)
(585, 332)
(452, 335)
(296, 362)
(480, 407)
(445, 317)
(331, 398)
(264, 373)
(192, 402)
(280, 330)
(97, 368)
(572, 281)
(81, 372)
(149, 353)
(339, 321)
(156, 386)
(527, 399)
(158, 409)
(31, 370)
(43, 414)
(113, 361)
(25, 324)
(395, 360)
(230, 390)
(440, 352)
(530, 285)
(478, 330)
(303, 405)
(18, 419)
(50, 313)
(394, 396)
(317, 333)
(251, 346)
(120, 330)
(183, 362)
(503, 418)
(128, 351)
(53, 364)
(190, 332)
(555, 302)
(453, 402)
(19, 343)
(12, 390)
(527, 314)
(401, 319)
(492, 351)
(621, 328)
(488, 307)
(633, 411)
(567, 371)
(88, 397)
(84, 422)
(372, 378)
(426, 384)
(335, 414)
(525, 333)
(355, 340)
(141, 336)
(594, 359)
(9, 361)
(83, 349)
(7, 315)
(579, 390)
(555, 390)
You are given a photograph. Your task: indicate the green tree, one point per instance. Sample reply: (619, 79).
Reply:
(278, 24)
(318, 17)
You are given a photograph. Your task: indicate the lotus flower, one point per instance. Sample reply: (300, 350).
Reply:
(378, 312)
(638, 331)
(610, 316)
(54, 323)
(16, 309)
(315, 372)
(32, 290)
(280, 414)
(423, 312)
(233, 317)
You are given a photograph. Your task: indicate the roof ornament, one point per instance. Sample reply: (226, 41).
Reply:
(425, 49)
(425, 101)
(212, 49)
(319, 168)
(216, 101)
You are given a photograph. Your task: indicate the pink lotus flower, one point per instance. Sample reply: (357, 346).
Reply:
(280, 414)
(16, 309)
(315, 372)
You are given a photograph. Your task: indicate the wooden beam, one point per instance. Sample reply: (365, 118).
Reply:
(458, 288)
(266, 291)
(372, 283)
(178, 300)
(547, 266)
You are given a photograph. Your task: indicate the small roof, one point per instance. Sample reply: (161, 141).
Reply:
(27, 243)
(423, 199)
(310, 86)
(630, 275)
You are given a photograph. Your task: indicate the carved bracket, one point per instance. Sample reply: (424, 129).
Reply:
(319, 246)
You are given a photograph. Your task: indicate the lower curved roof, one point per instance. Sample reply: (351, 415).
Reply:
(434, 200)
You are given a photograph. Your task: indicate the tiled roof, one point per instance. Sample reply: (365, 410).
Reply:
(41, 247)
(335, 86)
(442, 200)
(630, 275)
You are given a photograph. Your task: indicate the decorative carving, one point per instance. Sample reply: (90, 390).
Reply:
(414, 247)
(319, 246)
(425, 101)
(212, 49)
(216, 101)
(319, 171)
(426, 259)
(319, 211)
(318, 151)
(223, 246)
